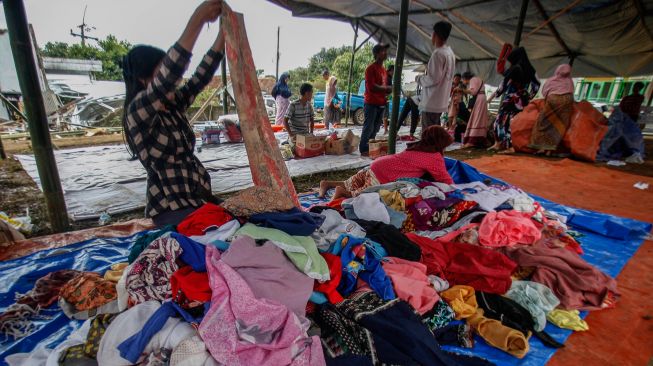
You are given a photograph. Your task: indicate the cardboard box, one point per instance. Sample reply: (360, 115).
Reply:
(308, 146)
(347, 143)
(378, 148)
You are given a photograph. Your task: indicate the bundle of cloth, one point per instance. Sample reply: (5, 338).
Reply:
(387, 277)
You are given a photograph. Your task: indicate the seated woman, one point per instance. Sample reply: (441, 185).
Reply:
(555, 117)
(425, 156)
(156, 128)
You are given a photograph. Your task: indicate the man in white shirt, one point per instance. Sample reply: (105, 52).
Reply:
(436, 84)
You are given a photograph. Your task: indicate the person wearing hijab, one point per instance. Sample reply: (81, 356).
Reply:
(554, 119)
(156, 128)
(519, 86)
(476, 132)
(424, 158)
(281, 94)
(331, 109)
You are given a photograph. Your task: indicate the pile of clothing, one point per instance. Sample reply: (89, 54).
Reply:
(387, 277)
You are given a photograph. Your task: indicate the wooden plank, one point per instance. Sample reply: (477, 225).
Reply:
(265, 161)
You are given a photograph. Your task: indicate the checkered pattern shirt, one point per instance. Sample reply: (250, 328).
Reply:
(163, 138)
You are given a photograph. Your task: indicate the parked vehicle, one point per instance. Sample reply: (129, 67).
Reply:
(357, 103)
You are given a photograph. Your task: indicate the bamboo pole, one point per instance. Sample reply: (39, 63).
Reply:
(351, 75)
(520, 23)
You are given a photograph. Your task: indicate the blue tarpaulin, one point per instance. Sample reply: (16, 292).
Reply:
(608, 241)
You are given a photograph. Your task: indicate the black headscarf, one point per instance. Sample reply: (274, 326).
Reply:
(139, 63)
(521, 69)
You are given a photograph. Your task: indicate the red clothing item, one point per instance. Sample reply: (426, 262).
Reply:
(189, 287)
(410, 164)
(202, 219)
(466, 264)
(329, 288)
(375, 74)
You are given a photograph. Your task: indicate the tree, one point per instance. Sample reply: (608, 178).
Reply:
(340, 67)
(109, 51)
(259, 72)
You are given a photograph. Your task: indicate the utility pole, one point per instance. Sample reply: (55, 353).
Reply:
(83, 28)
(37, 119)
(520, 23)
(351, 74)
(278, 35)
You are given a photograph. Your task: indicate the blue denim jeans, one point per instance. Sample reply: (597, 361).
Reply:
(372, 125)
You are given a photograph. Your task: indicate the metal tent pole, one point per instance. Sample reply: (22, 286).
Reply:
(21, 47)
(396, 78)
(3, 155)
(278, 36)
(351, 74)
(520, 23)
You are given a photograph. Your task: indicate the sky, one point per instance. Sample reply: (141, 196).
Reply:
(160, 22)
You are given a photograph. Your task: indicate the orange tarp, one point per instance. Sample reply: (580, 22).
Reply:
(619, 336)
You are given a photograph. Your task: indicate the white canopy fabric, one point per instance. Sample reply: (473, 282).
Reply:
(607, 37)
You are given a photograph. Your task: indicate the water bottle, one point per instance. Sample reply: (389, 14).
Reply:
(104, 219)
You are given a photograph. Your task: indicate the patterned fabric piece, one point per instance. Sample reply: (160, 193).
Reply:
(149, 277)
(441, 315)
(85, 353)
(162, 137)
(358, 182)
(409, 225)
(342, 336)
(88, 290)
(434, 214)
(257, 200)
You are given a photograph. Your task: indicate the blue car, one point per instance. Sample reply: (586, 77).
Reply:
(357, 103)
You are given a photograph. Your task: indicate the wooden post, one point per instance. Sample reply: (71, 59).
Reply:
(265, 161)
(21, 47)
(3, 155)
(520, 23)
(225, 100)
(351, 74)
(396, 78)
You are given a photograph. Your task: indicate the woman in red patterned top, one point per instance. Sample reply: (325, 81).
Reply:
(422, 158)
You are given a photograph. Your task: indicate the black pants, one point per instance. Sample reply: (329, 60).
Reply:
(410, 107)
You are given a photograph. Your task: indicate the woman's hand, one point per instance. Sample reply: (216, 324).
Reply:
(208, 11)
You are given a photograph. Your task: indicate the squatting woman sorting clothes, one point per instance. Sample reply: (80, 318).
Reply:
(554, 120)
(156, 128)
(422, 158)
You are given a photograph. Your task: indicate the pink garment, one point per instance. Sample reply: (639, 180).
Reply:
(507, 228)
(410, 164)
(476, 131)
(561, 82)
(240, 329)
(411, 283)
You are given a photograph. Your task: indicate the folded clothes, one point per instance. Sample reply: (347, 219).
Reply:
(498, 335)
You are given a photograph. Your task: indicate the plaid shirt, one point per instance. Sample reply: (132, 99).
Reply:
(163, 137)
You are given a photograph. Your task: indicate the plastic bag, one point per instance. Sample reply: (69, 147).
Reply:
(521, 126)
(587, 128)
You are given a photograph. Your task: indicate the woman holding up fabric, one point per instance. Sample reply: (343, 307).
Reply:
(476, 132)
(519, 86)
(156, 128)
(281, 94)
(554, 119)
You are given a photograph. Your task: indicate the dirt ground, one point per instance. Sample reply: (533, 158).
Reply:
(19, 193)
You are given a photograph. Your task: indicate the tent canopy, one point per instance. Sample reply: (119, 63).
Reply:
(605, 38)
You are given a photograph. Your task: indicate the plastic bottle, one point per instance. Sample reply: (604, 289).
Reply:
(105, 218)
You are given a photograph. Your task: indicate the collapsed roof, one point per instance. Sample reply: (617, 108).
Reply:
(605, 38)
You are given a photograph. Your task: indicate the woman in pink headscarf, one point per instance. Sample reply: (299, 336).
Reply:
(553, 121)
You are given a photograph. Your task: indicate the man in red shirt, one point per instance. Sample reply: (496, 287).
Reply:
(376, 90)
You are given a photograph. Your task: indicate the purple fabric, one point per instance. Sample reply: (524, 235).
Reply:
(269, 273)
(241, 329)
(425, 212)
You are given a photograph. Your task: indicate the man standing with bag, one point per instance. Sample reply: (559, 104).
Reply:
(436, 84)
(376, 91)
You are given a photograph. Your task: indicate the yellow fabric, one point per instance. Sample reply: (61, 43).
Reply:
(393, 199)
(498, 335)
(568, 319)
(115, 272)
(462, 300)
